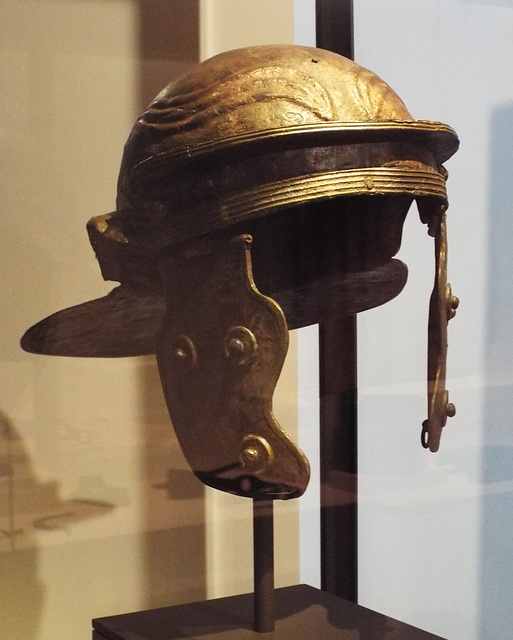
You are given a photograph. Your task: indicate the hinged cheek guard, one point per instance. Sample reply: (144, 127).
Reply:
(442, 308)
(220, 353)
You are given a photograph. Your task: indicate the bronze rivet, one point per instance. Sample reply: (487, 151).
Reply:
(240, 345)
(455, 303)
(185, 351)
(250, 455)
(235, 346)
(255, 453)
(451, 410)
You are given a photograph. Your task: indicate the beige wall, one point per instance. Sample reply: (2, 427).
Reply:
(228, 24)
(99, 513)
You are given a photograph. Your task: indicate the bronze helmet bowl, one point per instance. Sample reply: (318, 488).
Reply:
(301, 153)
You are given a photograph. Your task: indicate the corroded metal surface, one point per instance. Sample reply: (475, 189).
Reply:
(318, 160)
(442, 308)
(220, 353)
(251, 132)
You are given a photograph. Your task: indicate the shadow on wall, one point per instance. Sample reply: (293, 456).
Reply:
(168, 43)
(173, 517)
(497, 456)
(26, 506)
(18, 551)
(173, 522)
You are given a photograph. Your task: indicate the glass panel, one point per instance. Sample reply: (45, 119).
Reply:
(99, 512)
(433, 544)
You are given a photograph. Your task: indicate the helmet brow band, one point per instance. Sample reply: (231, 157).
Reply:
(348, 182)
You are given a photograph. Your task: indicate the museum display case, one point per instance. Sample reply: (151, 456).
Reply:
(100, 513)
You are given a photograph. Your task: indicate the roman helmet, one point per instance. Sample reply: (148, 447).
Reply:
(263, 190)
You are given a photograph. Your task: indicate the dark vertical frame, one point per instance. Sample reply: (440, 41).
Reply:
(338, 387)
(334, 26)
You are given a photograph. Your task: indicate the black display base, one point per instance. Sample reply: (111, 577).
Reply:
(302, 613)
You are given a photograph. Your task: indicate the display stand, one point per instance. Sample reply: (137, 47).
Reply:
(291, 613)
(338, 384)
(263, 565)
(302, 613)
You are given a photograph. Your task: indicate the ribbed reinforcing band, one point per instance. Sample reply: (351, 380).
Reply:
(348, 182)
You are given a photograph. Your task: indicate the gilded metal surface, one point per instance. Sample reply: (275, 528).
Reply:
(349, 182)
(246, 134)
(265, 128)
(442, 308)
(220, 353)
(318, 160)
(290, 91)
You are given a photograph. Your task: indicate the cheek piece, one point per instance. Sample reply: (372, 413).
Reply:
(292, 162)
(220, 353)
(442, 308)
